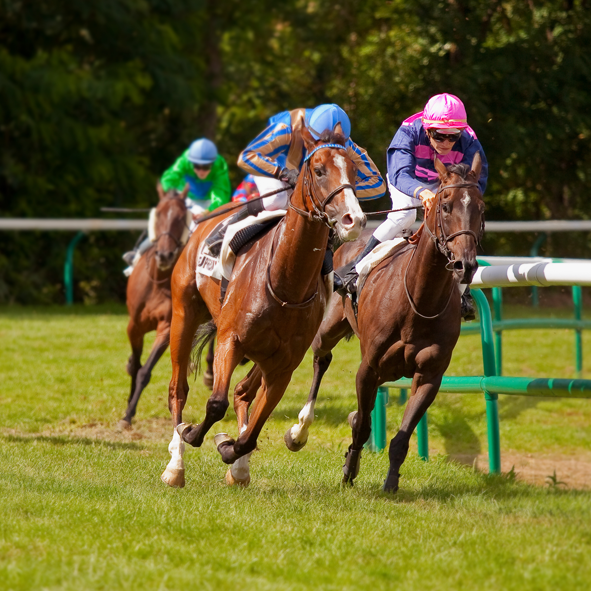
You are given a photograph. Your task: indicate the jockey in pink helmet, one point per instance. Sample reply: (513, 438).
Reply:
(441, 129)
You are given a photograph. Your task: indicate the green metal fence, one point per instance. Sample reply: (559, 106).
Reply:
(491, 384)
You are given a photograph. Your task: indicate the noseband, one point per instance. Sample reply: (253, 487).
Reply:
(317, 213)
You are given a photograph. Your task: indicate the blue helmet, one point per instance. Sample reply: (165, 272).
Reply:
(202, 151)
(325, 118)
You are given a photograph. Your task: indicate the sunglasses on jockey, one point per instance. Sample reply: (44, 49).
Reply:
(442, 137)
(202, 167)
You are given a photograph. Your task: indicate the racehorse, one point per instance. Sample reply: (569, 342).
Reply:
(272, 308)
(408, 319)
(148, 291)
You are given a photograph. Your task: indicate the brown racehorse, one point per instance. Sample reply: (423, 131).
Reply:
(148, 292)
(409, 316)
(273, 307)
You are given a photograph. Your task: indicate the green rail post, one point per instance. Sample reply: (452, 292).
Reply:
(69, 268)
(377, 439)
(497, 294)
(488, 358)
(423, 438)
(533, 252)
(578, 304)
(403, 396)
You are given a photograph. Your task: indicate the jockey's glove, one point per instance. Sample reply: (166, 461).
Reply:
(289, 176)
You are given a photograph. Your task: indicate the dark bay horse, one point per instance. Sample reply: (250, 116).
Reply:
(148, 291)
(409, 316)
(273, 307)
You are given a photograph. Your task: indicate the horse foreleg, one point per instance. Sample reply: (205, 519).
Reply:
(297, 436)
(184, 324)
(244, 394)
(208, 373)
(423, 394)
(145, 372)
(227, 358)
(136, 340)
(367, 387)
(269, 396)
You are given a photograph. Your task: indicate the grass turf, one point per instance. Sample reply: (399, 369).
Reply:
(83, 506)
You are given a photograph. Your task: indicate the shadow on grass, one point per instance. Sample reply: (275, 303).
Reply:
(69, 440)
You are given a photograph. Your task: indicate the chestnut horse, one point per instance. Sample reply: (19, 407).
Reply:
(409, 316)
(272, 309)
(148, 291)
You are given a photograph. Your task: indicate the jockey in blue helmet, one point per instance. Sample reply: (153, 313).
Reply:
(276, 156)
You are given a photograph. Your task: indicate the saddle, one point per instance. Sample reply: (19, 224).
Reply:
(236, 237)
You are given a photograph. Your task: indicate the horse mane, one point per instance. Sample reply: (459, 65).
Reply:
(332, 137)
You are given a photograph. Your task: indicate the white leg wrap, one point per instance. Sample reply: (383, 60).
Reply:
(299, 432)
(176, 448)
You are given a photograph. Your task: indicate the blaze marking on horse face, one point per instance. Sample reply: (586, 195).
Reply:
(466, 199)
(350, 200)
(351, 231)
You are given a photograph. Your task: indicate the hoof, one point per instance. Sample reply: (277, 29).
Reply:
(123, 425)
(231, 481)
(291, 444)
(173, 477)
(351, 418)
(208, 379)
(391, 483)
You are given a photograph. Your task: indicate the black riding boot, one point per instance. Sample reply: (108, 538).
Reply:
(345, 278)
(468, 308)
(215, 239)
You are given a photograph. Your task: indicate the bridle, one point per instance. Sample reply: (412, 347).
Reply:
(441, 242)
(178, 241)
(317, 213)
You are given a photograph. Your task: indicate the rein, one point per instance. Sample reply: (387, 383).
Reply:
(441, 243)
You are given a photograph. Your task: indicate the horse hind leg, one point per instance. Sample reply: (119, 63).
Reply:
(367, 388)
(208, 373)
(136, 340)
(296, 436)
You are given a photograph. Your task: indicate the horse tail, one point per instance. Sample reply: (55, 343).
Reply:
(204, 335)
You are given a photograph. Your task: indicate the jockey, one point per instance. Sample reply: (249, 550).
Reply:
(276, 156)
(441, 130)
(206, 173)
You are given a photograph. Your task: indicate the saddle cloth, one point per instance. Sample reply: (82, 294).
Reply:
(218, 267)
(374, 258)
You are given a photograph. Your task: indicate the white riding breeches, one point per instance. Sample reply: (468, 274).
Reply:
(266, 184)
(397, 221)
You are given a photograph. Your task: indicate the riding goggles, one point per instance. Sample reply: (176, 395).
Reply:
(202, 167)
(442, 137)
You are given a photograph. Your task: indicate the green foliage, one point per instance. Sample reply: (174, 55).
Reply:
(98, 97)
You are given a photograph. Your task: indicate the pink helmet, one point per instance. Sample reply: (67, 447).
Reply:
(444, 111)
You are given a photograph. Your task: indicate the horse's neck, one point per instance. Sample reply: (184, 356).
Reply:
(428, 280)
(297, 260)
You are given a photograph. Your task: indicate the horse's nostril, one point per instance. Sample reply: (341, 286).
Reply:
(458, 265)
(347, 220)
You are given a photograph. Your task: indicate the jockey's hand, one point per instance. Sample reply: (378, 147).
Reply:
(428, 198)
(289, 176)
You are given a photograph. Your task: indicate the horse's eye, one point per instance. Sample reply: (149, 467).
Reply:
(319, 171)
(446, 207)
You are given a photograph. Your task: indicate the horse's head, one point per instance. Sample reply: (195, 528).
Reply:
(456, 219)
(169, 226)
(329, 184)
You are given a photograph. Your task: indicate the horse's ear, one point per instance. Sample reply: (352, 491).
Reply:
(440, 168)
(185, 191)
(476, 165)
(160, 190)
(308, 138)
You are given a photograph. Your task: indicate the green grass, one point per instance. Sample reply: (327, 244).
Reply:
(83, 506)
